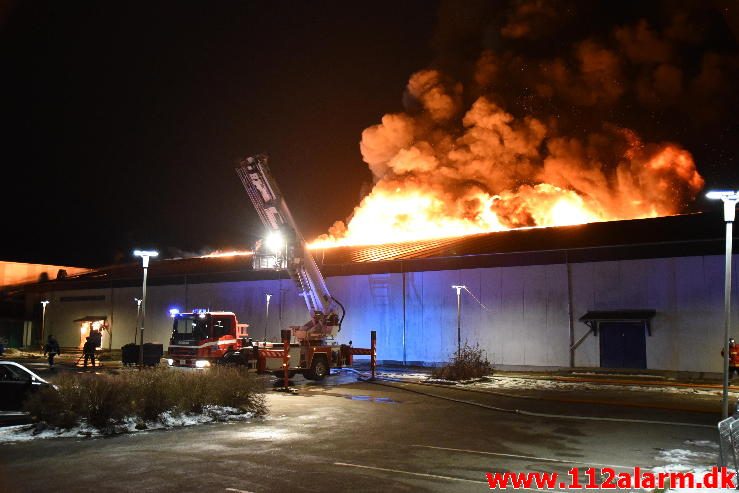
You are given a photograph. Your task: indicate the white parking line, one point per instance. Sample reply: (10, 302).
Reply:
(430, 476)
(399, 471)
(527, 457)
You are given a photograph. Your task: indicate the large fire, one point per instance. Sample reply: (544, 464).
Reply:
(436, 178)
(227, 253)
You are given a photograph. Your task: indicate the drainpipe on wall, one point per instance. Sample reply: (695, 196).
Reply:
(402, 270)
(570, 317)
(110, 326)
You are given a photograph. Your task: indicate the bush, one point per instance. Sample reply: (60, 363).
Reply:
(471, 362)
(106, 400)
(61, 408)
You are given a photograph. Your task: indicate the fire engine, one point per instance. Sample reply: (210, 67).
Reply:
(202, 338)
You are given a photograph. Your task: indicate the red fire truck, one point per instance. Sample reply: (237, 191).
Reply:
(202, 338)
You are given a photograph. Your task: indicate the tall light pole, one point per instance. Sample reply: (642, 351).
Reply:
(145, 255)
(459, 318)
(138, 314)
(266, 318)
(730, 199)
(43, 321)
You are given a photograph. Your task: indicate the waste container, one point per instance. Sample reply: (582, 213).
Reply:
(152, 354)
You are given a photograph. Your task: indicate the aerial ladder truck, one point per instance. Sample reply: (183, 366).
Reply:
(313, 348)
(285, 248)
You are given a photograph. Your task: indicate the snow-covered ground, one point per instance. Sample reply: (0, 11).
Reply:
(211, 414)
(501, 382)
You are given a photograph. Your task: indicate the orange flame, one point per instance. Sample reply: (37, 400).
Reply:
(228, 253)
(501, 172)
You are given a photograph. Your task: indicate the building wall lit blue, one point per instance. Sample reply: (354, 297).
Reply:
(524, 321)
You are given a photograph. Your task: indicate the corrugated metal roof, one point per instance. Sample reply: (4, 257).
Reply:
(694, 234)
(689, 227)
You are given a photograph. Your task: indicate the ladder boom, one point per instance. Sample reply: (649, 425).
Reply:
(267, 199)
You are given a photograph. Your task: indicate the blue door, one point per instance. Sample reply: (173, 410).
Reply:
(623, 345)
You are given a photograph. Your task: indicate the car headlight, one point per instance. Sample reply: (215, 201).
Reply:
(170, 361)
(201, 363)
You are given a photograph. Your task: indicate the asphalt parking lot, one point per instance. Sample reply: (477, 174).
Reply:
(345, 434)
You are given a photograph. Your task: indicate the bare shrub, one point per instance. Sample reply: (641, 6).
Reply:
(61, 408)
(471, 362)
(105, 400)
(152, 392)
(233, 386)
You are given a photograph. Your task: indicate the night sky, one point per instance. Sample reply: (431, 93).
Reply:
(121, 122)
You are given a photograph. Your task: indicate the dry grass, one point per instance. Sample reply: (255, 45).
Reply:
(105, 400)
(471, 362)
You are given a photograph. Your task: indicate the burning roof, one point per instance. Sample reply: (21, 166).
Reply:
(544, 113)
(695, 234)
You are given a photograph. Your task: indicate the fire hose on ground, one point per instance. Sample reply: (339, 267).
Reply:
(389, 382)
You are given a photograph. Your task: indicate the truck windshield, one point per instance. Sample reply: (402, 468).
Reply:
(190, 327)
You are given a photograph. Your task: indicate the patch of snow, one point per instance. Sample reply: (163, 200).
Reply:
(681, 456)
(514, 383)
(528, 383)
(401, 374)
(25, 433)
(656, 377)
(703, 443)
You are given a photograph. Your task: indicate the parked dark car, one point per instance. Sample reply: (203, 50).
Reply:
(16, 383)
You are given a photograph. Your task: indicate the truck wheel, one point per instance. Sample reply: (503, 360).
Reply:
(318, 369)
(235, 358)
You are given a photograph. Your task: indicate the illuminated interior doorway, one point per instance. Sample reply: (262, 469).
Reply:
(95, 326)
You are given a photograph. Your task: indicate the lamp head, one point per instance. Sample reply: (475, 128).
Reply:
(723, 195)
(729, 198)
(146, 253)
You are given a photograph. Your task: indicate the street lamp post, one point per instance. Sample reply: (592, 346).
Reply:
(145, 255)
(730, 199)
(459, 318)
(43, 321)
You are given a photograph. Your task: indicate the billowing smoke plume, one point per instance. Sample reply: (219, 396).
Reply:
(542, 113)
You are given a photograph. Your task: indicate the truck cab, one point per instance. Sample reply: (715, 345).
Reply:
(202, 338)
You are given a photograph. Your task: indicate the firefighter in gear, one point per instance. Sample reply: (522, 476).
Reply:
(88, 351)
(733, 357)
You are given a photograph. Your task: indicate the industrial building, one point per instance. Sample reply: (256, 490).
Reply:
(16, 328)
(642, 293)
